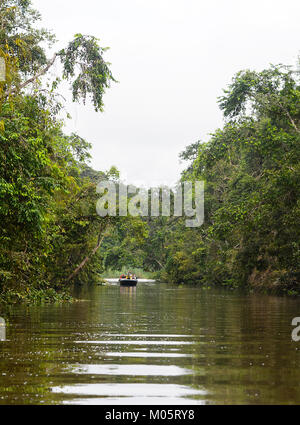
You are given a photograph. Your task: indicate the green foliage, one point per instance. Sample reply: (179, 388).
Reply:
(50, 230)
(34, 296)
(83, 60)
(124, 246)
(251, 170)
(51, 235)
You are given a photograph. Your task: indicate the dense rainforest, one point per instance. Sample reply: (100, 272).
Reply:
(51, 235)
(251, 169)
(50, 231)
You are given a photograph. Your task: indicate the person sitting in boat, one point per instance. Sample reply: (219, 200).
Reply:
(122, 276)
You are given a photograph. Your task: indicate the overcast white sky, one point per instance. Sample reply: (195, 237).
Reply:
(172, 59)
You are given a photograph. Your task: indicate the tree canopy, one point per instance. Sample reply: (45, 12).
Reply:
(49, 224)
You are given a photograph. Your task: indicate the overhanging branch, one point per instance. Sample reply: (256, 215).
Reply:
(34, 78)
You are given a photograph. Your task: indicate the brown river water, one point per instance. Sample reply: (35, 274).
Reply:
(154, 344)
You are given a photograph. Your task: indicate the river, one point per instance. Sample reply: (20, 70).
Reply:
(154, 344)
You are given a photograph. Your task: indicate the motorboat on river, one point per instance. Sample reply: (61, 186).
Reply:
(128, 282)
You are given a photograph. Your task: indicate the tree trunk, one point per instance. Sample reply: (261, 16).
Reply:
(32, 79)
(83, 263)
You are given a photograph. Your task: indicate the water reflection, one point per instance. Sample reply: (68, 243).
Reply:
(130, 291)
(2, 329)
(152, 345)
(134, 393)
(135, 342)
(137, 370)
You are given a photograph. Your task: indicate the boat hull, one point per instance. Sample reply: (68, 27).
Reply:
(128, 282)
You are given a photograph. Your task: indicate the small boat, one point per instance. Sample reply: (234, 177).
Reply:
(128, 282)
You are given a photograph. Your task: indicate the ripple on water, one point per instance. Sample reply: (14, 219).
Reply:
(134, 393)
(130, 390)
(137, 400)
(131, 370)
(137, 342)
(148, 354)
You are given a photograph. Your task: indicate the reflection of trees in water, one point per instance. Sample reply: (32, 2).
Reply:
(241, 348)
(2, 329)
(245, 346)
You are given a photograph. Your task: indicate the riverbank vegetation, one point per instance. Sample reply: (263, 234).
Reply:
(251, 169)
(51, 235)
(49, 225)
